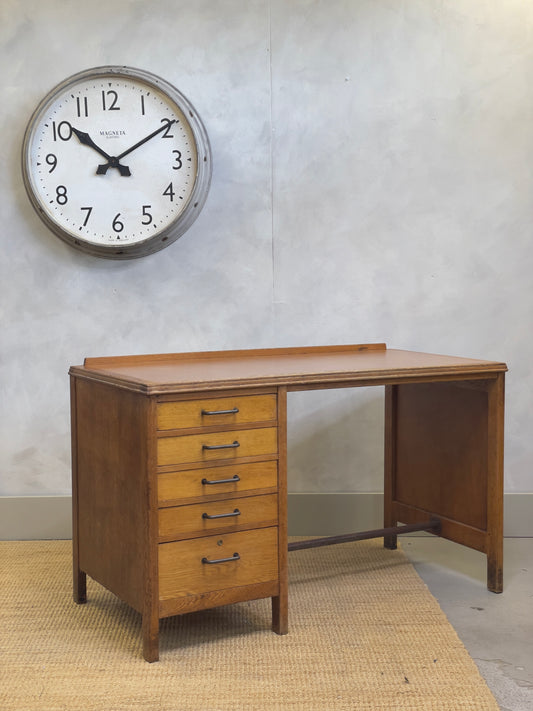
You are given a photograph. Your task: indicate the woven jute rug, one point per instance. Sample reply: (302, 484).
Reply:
(365, 633)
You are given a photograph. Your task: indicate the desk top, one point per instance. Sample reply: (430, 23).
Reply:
(295, 368)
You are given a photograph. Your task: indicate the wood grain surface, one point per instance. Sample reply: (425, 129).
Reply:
(297, 368)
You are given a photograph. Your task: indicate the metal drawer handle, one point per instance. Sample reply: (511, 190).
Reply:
(234, 445)
(235, 556)
(233, 411)
(235, 512)
(222, 481)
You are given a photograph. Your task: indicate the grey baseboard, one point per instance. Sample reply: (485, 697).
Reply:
(334, 514)
(49, 517)
(27, 518)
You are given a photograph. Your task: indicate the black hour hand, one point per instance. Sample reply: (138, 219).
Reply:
(113, 162)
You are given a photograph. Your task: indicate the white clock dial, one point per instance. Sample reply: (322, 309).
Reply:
(116, 162)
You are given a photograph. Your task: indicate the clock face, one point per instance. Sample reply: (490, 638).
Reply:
(116, 162)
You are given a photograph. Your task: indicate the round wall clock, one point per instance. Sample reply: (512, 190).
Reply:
(116, 161)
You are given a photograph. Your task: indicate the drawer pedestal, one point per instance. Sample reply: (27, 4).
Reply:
(178, 500)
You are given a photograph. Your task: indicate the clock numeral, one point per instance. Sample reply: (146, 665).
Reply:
(169, 192)
(109, 100)
(89, 210)
(166, 133)
(62, 130)
(147, 215)
(118, 226)
(51, 159)
(61, 195)
(177, 159)
(82, 106)
(142, 104)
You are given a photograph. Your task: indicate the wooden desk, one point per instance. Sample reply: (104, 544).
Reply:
(180, 467)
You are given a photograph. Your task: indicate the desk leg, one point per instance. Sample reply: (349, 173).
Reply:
(389, 518)
(80, 585)
(495, 425)
(150, 627)
(280, 615)
(495, 568)
(79, 577)
(150, 604)
(150, 611)
(280, 603)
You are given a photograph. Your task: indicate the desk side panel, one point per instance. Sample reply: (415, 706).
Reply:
(440, 452)
(112, 492)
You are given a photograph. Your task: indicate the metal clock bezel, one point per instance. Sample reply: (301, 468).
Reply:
(196, 200)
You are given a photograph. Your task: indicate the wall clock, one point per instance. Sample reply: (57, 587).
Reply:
(116, 162)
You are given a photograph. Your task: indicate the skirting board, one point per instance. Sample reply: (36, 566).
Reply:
(49, 517)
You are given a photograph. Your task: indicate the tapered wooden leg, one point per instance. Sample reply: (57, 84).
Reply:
(150, 637)
(389, 518)
(80, 586)
(79, 578)
(280, 603)
(280, 614)
(496, 400)
(495, 571)
(390, 542)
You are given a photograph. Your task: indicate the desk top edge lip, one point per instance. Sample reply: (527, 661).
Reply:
(104, 369)
(167, 358)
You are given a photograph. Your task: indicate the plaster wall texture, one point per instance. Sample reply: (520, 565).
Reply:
(372, 181)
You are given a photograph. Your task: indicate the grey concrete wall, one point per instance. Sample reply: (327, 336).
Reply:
(372, 182)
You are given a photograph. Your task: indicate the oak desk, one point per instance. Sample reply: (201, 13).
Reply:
(180, 467)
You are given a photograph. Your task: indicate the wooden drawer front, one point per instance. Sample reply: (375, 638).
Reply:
(216, 411)
(226, 445)
(181, 571)
(177, 487)
(181, 522)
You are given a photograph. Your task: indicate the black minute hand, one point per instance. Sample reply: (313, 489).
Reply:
(102, 169)
(86, 140)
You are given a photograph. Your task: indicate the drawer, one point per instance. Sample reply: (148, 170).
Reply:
(216, 481)
(217, 445)
(181, 522)
(182, 570)
(216, 411)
